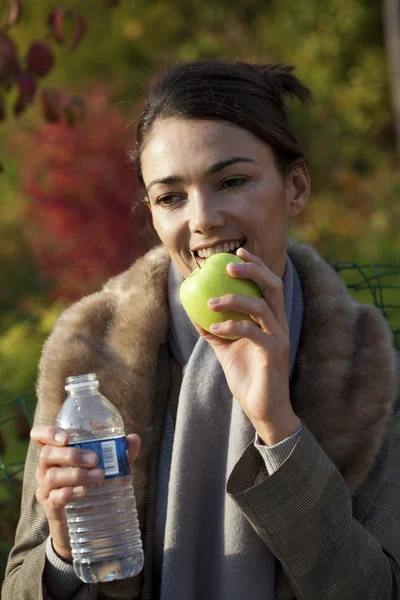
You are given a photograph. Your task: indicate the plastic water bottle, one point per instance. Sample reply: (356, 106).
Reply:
(103, 525)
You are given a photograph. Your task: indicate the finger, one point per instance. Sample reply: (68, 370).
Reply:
(203, 332)
(275, 349)
(270, 284)
(133, 442)
(256, 308)
(249, 257)
(54, 505)
(242, 329)
(65, 456)
(57, 478)
(47, 434)
(215, 341)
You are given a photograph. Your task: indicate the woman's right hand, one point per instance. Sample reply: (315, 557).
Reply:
(59, 486)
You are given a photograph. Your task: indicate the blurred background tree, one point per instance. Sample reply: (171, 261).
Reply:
(72, 82)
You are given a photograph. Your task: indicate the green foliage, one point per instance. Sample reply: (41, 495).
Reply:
(20, 347)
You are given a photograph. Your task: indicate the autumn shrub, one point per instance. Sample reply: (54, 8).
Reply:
(80, 188)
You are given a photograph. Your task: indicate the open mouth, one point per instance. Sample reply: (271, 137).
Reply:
(228, 247)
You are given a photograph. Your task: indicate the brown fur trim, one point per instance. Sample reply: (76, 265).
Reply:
(346, 379)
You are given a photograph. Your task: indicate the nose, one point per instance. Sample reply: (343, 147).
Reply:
(204, 213)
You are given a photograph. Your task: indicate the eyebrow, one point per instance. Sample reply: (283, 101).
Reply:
(210, 171)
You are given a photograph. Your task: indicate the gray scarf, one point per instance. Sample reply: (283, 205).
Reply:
(210, 550)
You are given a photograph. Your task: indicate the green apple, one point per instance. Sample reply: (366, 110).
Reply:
(212, 280)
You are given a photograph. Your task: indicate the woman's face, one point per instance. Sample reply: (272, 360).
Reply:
(213, 186)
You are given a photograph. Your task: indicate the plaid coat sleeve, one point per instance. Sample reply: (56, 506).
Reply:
(26, 562)
(331, 546)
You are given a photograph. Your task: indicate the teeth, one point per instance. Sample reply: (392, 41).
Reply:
(226, 247)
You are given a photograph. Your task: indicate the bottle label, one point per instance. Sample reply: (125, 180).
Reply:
(112, 453)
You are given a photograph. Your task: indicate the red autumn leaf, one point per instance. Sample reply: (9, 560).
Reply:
(9, 65)
(15, 12)
(51, 105)
(56, 22)
(27, 90)
(75, 111)
(40, 59)
(79, 29)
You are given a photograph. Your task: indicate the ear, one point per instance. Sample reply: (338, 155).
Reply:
(298, 190)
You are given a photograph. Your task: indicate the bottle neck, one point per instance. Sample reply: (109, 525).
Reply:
(83, 390)
(82, 385)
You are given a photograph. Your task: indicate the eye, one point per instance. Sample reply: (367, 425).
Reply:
(169, 200)
(233, 182)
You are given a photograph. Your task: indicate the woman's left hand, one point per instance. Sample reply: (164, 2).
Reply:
(256, 365)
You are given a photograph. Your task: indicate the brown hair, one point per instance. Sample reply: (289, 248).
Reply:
(252, 96)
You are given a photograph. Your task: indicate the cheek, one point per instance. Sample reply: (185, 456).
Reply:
(167, 228)
(270, 208)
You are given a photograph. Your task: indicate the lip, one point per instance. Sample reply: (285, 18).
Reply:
(199, 260)
(217, 243)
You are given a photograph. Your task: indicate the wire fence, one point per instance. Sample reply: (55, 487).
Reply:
(16, 419)
(369, 284)
(375, 284)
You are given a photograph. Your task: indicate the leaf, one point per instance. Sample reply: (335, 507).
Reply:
(79, 29)
(51, 105)
(40, 59)
(15, 13)
(75, 111)
(56, 23)
(111, 3)
(27, 90)
(9, 65)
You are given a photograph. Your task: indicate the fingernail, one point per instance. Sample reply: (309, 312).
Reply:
(95, 474)
(214, 301)
(235, 266)
(215, 326)
(60, 437)
(79, 490)
(89, 458)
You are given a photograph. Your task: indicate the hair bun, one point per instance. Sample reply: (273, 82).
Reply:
(281, 77)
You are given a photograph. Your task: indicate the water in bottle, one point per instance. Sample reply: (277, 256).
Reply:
(103, 525)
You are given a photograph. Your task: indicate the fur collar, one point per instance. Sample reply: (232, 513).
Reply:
(345, 380)
(346, 376)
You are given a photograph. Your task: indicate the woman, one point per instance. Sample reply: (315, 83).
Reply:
(275, 455)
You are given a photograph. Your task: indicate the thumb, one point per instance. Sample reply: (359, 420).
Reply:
(133, 442)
